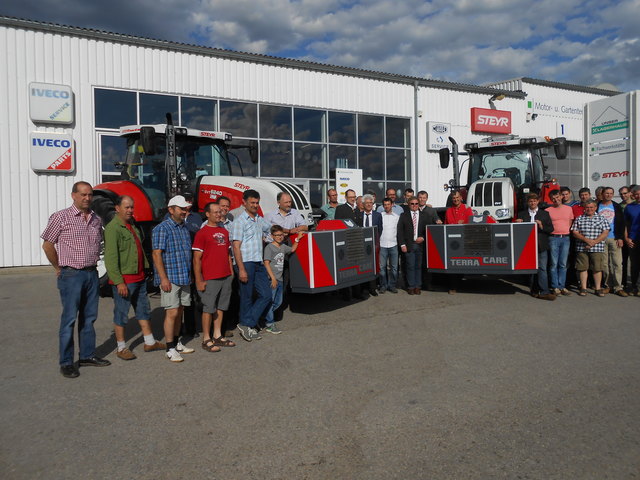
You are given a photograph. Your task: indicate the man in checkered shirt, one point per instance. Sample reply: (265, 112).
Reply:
(590, 230)
(72, 246)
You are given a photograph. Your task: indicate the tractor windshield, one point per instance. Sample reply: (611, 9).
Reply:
(518, 164)
(195, 157)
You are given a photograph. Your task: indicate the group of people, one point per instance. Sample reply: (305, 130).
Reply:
(598, 235)
(210, 255)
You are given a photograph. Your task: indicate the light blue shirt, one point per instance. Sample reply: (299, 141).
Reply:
(397, 209)
(250, 231)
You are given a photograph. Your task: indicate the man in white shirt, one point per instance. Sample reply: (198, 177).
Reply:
(389, 248)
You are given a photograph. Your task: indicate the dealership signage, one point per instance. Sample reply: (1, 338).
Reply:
(52, 152)
(490, 121)
(438, 135)
(348, 179)
(50, 103)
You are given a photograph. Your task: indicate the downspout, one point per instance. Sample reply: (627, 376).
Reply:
(414, 179)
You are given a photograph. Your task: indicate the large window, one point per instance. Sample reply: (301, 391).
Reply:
(273, 141)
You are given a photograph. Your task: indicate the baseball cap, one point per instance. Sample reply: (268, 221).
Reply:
(178, 201)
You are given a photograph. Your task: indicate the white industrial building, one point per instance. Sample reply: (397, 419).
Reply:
(305, 117)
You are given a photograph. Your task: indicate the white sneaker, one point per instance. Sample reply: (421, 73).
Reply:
(183, 349)
(174, 356)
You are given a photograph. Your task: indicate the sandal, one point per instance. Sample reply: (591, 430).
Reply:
(210, 346)
(600, 292)
(583, 292)
(223, 342)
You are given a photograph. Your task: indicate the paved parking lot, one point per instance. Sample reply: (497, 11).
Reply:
(489, 383)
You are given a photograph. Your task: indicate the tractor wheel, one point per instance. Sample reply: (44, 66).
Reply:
(104, 207)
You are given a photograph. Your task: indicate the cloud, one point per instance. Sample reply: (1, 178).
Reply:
(473, 41)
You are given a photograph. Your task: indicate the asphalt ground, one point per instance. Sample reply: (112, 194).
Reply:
(488, 383)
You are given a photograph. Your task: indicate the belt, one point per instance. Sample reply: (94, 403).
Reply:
(559, 236)
(85, 269)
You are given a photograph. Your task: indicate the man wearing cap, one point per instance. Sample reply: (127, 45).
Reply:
(125, 262)
(171, 244)
(72, 245)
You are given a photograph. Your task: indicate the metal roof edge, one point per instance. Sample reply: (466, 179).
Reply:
(564, 86)
(250, 57)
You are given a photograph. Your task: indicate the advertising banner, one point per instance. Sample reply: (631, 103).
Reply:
(52, 152)
(348, 178)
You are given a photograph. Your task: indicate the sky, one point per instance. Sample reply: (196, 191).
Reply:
(584, 42)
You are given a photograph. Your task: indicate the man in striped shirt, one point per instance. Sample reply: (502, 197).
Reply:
(72, 246)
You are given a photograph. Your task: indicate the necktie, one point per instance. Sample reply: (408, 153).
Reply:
(415, 225)
(366, 220)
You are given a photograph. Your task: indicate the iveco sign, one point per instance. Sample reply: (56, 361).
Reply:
(490, 121)
(51, 152)
(50, 103)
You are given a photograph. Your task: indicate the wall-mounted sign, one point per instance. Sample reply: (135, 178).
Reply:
(490, 121)
(438, 135)
(50, 103)
(52, 152)
(348, 178)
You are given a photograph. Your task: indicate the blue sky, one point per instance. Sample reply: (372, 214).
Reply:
(471, 41)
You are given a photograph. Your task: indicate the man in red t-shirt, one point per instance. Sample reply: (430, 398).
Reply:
(213, 274)
(584, 194)
(459, 212)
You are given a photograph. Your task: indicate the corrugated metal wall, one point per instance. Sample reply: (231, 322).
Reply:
(33, 56)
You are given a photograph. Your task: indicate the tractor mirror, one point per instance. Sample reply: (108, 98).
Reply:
(148, 140)
(560, 148)
(444, 157)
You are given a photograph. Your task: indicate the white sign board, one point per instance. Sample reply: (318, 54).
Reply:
(50, 103)
(348, 178)
(438, 135)
(52, 152)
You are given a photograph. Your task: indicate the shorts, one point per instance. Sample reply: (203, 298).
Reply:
(216, 295)
(137, 298)
(179, 296)
(593, 261)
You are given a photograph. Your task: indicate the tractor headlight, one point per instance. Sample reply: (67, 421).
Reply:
(502, 212)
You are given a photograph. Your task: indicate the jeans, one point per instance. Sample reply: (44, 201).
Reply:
(276, 301)
(559, 254)
(251, 311)
(388, 255)
(543, 279)
(413, 260)
(79, 296)
(612, 274)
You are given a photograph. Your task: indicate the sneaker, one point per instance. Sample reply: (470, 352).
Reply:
(174, 356)
(273, 328)
(125, 354)
(183, 349)
(254, 334)
(393, 290)
(622, 293)
(245, 332)
(154, 347)
(557, 292)
(382, 290)
(565, 292)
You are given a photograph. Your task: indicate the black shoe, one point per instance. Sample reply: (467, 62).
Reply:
(373, 293)
(93, 362)
(393, 290)
(69, 371)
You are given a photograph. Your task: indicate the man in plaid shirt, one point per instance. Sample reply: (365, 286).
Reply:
(171, 245)
(72, 246)
(590, 230)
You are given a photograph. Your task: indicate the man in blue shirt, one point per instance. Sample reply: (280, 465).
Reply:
(171, 244)
(247, 233)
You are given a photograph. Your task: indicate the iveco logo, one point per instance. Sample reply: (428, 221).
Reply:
(491, 120)
(595, 176)
(440, 128)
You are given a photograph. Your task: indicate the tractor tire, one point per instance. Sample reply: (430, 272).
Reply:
(104, 207)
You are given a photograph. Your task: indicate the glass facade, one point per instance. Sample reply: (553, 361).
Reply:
(291, 142)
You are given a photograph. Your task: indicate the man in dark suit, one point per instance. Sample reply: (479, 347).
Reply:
(349, 210)
(371, 218)
(411, 230)
(544, 227)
